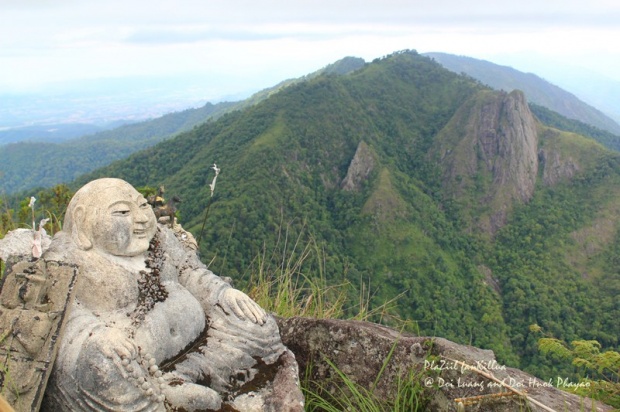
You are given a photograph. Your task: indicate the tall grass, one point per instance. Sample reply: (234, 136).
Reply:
(290, 281)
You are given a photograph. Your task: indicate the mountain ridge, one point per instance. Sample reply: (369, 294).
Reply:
(538, 90)
(28, 164)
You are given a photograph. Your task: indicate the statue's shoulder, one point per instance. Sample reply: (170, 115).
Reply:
(61, 248)
(178, 237)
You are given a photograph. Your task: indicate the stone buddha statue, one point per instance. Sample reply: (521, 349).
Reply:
(151, 328)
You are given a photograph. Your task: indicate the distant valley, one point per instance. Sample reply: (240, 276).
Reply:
(54, 133)
(103, 101)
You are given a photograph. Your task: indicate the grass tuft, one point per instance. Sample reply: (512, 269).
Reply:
(281, 284)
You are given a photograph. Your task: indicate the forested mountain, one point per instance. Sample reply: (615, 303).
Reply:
(421, 185)
(537, 90)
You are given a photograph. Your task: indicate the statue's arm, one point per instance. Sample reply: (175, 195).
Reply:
(85, 332)
(212, 291)
(204, 285)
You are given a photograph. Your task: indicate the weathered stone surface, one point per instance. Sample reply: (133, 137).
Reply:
(33, 307)
(360, 350)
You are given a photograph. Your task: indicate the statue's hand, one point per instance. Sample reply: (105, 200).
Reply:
(233, 300)
(113, 342)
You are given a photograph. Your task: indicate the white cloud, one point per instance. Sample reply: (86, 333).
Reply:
(51, 40)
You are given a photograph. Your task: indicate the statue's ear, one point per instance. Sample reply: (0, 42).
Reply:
(81, 231)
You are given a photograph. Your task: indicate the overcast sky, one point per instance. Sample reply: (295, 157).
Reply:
(253, 44)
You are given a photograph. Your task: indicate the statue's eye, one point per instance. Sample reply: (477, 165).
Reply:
(144, 205)
(121, 212)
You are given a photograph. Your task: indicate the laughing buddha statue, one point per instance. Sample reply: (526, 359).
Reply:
(151, 328)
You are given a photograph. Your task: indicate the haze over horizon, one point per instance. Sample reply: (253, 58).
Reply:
(195, 51)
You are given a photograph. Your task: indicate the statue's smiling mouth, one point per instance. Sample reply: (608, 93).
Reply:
(140, 232)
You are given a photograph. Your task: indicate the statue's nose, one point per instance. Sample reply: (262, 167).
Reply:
(141, 217)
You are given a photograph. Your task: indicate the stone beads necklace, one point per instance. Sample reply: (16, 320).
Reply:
(150, 288)
(153, 383)
(150, 291)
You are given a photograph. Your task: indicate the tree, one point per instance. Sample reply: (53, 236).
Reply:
(598, 371)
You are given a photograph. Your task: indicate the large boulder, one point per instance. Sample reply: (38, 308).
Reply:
(19, 242)
(454, 377)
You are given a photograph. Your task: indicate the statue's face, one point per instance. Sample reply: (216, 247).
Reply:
(125, 223)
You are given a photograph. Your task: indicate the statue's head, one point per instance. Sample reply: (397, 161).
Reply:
(110, 216)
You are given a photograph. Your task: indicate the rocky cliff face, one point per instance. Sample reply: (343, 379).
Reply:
(361, 166)
(556, 167)
(558, 162)
(493, 160)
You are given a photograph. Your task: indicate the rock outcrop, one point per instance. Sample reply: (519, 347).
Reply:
(19, 242)
(494, 158)
(556, 167)
(361, 166)
(374, 357)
